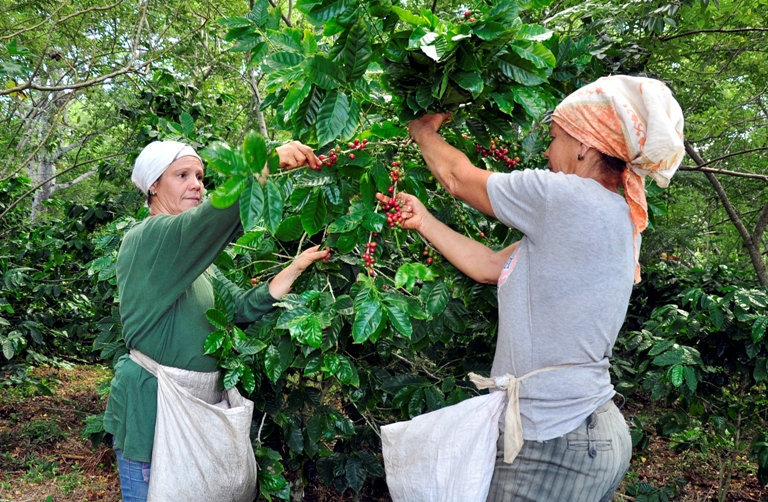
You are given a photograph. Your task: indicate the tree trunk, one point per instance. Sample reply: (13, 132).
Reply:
(751, 241)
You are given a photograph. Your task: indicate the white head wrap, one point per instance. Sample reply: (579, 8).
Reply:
(155, 159)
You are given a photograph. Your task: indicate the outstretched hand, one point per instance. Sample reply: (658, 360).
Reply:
(283, 281)
(296, 154)
(413, 212)
(310, 256)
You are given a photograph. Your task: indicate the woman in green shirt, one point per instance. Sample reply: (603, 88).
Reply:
(165, 291)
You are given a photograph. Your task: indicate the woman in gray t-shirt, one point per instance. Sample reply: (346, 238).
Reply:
(564, 288)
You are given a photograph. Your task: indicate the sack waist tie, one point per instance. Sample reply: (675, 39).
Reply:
(513, 424)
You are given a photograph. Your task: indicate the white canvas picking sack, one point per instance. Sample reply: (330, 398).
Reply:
(202, 449)
(447, 455)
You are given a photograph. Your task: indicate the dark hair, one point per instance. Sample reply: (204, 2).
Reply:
(611, 165)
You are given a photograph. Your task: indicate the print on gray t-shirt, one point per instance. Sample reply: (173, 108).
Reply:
(566, 298)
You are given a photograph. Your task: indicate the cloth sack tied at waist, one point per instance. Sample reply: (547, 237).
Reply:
(513, 424)
(449, 455)
(202, 449)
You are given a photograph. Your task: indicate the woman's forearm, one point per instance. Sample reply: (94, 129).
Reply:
(282, 283)
(476, 260)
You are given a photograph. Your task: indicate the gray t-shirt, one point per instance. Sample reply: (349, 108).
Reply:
(563, 293)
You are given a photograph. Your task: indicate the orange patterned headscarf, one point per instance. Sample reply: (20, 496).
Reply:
(634, 119)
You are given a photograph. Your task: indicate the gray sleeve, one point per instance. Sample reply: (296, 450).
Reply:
(519, 199)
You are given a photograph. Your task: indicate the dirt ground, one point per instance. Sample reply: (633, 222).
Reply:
(43, 457)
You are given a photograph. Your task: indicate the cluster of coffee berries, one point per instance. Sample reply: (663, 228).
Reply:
(430, 255)
(369, 256)
(498, 153)
(331, 159)
(468, 16)
(392, 210)
(395, 175)
(357, 144)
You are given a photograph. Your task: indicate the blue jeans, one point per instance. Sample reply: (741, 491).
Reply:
(134, 478)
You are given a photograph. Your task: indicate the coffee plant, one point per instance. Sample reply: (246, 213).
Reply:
(706, 356)
(386, 329)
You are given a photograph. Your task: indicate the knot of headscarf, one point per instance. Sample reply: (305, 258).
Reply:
(154, 159)
(634, 119)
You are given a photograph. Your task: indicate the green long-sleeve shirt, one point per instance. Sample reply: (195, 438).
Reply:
(164, 294)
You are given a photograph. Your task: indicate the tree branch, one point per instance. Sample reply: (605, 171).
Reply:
(88, 83)
(70, 184)
(33, 189)
(737, 174)
(753, 248)
(712, 30)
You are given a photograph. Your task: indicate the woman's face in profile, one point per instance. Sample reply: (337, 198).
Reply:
(562, 152)
(180, 188)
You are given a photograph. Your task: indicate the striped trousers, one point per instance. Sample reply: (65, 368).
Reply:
(585, 465)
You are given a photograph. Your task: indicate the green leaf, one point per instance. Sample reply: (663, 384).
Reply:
(716, 315)
(761, 369)
(272, 365)
(217, 318)
(350, 126)
(670, 358)
(534, 32)
(254, 152)
(187, 123)
(357, 52)
(284, 59)
(374, 222)
(288, 38)
(399, 320)
(326, 11)
(355, 471)
(290, 229)
(297, 93)
(273, 213)
(409, 17)
(323, 73)
(214, 342)
(219, 157)
(435, 295)
(407, 275)
(8, 349)
(466, 58)
(469, 80)
(225, 195)
(249, 346)
(690, 378)
(524, 76)
(676, 373)
(489, 31)
(368, 316)
(312, 332)
(534, 52)
(346, 242)
(758, 328)
(347, 373)
(232, 376)
(260, 12)
(249, 381)
(344, 223)
(251, 204)
(530, 100)
(387, 130)
(313, 213)
(332, 117)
